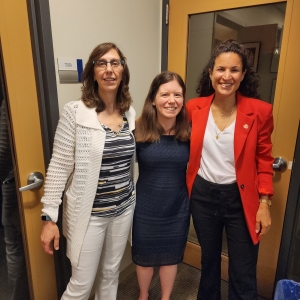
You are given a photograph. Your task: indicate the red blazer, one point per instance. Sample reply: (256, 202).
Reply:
(252, 150)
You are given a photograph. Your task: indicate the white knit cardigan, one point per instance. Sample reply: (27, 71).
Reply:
(76, 159)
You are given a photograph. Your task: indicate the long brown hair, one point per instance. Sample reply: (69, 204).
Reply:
(147, 128)
(89, 88)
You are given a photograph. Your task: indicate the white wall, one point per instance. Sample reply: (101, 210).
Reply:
(134, 25)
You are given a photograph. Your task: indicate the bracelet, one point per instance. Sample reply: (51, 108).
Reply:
(269, 202)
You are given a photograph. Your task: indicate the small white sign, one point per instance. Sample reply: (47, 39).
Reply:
(67, 64)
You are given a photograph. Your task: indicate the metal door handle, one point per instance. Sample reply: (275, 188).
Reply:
(35, 180)
(279, 164)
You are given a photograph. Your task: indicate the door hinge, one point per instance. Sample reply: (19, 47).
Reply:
(167, 14)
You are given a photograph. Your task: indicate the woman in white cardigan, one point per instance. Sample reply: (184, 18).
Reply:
(94, 152)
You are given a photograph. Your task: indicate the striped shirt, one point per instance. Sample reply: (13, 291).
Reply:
(115, 191)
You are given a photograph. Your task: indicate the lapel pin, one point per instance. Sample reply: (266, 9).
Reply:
(246, 126)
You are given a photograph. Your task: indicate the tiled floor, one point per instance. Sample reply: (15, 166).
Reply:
(185, 287)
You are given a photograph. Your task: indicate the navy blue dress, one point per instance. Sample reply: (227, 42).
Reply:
(162, 213)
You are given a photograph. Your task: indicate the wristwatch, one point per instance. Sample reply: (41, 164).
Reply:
(45, 217)
(269, 202)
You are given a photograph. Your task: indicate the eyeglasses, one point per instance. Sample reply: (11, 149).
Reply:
(102, 64)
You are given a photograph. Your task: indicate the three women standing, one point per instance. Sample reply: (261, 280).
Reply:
(229, 174)
(93, 148)
(161, 217)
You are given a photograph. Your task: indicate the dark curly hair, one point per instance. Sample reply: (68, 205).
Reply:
(147, 129)
(89, 87)
(248, 86)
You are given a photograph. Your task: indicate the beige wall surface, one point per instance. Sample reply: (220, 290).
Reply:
(135, 26)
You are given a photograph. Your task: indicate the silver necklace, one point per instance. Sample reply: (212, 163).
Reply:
(118, 123)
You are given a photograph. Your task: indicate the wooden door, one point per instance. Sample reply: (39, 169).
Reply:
(25, 121)
(286, 110)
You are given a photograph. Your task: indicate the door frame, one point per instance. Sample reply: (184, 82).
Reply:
(43, 58)
(164, 34)
(44, 63)
(286, 88)
(20, 74)
(292, 205)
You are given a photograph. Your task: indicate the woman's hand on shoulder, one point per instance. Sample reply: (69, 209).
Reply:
(50, 233)
(263, 219)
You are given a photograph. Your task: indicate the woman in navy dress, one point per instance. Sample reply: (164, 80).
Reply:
(161, 217)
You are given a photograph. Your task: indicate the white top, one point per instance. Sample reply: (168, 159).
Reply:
(217, 160)
(77, 155)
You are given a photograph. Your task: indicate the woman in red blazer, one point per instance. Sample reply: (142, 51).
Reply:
(229, 175)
